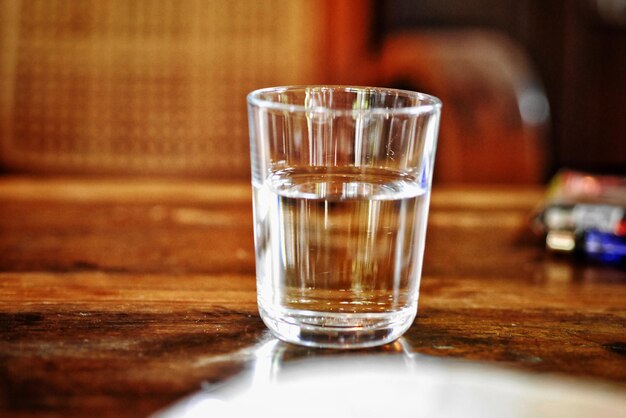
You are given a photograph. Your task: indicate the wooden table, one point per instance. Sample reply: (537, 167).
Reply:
(119, 296)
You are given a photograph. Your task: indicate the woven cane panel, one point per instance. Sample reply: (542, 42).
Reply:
(145, 86)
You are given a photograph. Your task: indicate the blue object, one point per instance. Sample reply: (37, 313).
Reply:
(605, 247)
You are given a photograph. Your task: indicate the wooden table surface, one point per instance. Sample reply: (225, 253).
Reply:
(119, 296)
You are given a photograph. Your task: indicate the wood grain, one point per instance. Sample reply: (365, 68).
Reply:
(118, 297)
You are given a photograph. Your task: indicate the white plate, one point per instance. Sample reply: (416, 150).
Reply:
(399, 385)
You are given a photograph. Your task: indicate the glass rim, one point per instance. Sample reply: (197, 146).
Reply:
(428, 103)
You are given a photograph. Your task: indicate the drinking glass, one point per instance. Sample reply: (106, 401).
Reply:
(341, 187)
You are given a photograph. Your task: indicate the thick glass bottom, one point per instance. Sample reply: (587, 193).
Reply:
(337, 330)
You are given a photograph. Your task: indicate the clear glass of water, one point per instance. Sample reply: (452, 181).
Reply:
(341, 179)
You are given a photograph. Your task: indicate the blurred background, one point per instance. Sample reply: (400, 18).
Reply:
(158, 87)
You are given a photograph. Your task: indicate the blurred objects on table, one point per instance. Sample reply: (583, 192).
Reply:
(585, 214)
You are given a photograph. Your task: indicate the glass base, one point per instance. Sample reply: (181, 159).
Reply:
(337, 330)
